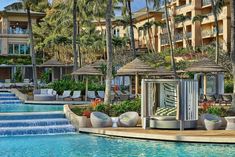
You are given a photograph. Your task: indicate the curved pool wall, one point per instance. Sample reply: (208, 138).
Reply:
(80, 145)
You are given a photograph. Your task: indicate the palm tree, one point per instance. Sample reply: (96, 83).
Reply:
(126, 10)
(107, 98)
(200, 18)
(75, 52)
(28, 5)
(232, 6)
(216, 10)
(156, 4)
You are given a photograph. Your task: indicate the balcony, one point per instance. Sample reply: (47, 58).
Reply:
(182, 6)
(206, 2)
(210, 33)
(189, 34)
(164, 39)
(178, 36)
(17, 30)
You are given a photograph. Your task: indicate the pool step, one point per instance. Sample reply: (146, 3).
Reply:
(9, 98)
(7, 94)
(28, 116)
(10, 101)
(35, 122)
(36, 130)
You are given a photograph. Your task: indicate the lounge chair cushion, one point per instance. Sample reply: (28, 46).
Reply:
(164, 118)
(166, 111)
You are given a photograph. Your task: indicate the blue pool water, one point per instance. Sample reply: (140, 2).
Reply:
(29, 108)
(82, 145)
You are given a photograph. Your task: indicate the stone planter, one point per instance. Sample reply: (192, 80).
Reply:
(212, 124)
(77, 121)
(230, 123)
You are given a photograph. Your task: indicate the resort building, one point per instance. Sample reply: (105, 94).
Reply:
(14, 37)
(184, 33)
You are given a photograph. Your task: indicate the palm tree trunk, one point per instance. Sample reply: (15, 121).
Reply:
(232, 5)
(131, 29)
(75, 53)
(79, 47)
(107, 98)
(170, 40)
(33, 57)
(217, 32)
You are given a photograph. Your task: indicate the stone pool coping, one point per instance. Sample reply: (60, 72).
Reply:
(198, 136)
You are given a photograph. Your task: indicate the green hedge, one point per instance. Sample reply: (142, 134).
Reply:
(18, 59)
(61, 85)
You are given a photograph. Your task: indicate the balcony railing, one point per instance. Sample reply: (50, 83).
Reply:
(164, 39)
(178, 36)
(206, 33)
(206, 2)
(17, 30)
(189, 34)
(182, 6)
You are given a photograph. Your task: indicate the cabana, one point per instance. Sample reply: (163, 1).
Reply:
(169, 103)
(58, 68)
(87, 70)
(209, 75)
(139, 68)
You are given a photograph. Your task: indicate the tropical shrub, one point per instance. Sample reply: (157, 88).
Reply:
(45, 76)
(68, 84)
(125, 106)
(228, 86)
(18, 75)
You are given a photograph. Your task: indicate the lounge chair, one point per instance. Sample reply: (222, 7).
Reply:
(122, 96)
(76, 95)
(66, 94)
(101, 94)
(91, 95)
(44, 95)
(226, 99)
(128, 119)
(100, 120)
(131, 96)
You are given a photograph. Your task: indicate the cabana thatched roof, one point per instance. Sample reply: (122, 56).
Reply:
(87, 70)
(161, 71)
(98, 63)
(205, 65)
(138, 66)
(52, 63)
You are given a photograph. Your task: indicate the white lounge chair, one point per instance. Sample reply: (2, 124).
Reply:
(76, 95)
(101, 94)
(66, 94)
(122, 96)
(91, 95)
(44, 95)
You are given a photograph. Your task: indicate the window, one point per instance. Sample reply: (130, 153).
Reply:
(18, 49)
(10, 49)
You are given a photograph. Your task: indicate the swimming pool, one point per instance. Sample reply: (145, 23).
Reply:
(21, 107)
(83, 145)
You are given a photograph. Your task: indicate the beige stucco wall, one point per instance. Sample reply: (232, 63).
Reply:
(6, 38)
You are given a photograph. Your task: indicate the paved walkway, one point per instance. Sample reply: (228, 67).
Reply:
(215, 136)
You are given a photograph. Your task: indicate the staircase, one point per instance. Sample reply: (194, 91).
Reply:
(39, 123)
(9, 98)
